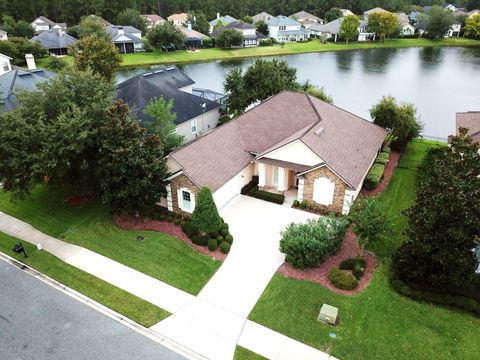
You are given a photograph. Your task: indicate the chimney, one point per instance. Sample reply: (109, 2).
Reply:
(121, 31)
(189, 25)
(30, 62)
(218, 15)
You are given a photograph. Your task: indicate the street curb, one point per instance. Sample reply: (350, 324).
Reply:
(152, 335)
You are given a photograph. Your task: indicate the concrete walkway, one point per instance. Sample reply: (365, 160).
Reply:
(214, 322)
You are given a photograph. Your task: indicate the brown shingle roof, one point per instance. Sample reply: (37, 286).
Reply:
(348, 143)
(471, 121)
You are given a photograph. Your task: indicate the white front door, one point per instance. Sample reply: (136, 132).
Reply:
(187, 200)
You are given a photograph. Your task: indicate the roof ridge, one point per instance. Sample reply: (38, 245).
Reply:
(313, 106)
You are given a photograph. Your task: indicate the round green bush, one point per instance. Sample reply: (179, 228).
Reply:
(212, 244)
(225, 247)
(224, 226)
(296, 203)
(223, 232)
(214, 235)
(342, 279)
(303, 204)
(200, 240)
(229, 239)
(358, 271)
(220, 239)
(177, 221)
(189, 229)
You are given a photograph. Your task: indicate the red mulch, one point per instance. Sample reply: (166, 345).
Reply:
(349, 248)
(133, 223)
(76, 201)
(391, 165)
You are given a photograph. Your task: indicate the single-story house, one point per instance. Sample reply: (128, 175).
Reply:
(251, 37)
(193, 38)
(303, 16)
(178, 19)
(56, 41)
(126, 38)
(296, 144)
(153, 20)
(263, 16)
(471, 121)
(225, 20)
(5, 65)
(19, 79)
(374, 10)
(42, 23)
(3, 35)
(195, 115)
(284, 29)
(331, 30)
(454, 29)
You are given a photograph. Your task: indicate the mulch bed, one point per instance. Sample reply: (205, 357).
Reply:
(133, 223)
(348, 249)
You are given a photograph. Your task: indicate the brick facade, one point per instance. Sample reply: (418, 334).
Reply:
(339, 191)
(181, 182)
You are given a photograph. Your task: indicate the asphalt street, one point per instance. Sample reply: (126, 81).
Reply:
(39, 322)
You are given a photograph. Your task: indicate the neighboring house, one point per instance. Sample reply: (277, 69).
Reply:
(331, 30)
(42, 24)
(153, 20)
(19, 79)
(263, 16)
(126, 38)
(414, 16)
(225, 20)
(473, 12)
(303, 16)
(3, 35)
(450, 7)
(284, 29)
(195, 115)
(421, 27)
(105, 22)
(251, 37)
(346, 12)
(56, 41)
(374, 10)
(471, 121)
(296, 144)
(178, 19)
(193, 38)
(5, 65)
(454, 29)
(406, 29)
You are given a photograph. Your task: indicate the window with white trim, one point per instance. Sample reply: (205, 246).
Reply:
(186, 200)
(6, 66)
(323, 191)
(193, 124)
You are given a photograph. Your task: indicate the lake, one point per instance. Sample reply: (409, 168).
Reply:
(439, 81)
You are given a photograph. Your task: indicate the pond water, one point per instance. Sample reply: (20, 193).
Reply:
(439, 81)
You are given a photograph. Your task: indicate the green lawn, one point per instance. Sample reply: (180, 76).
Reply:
(244, 354)
(159, 255)
(155, 57)
(378, 323)
(116, 299)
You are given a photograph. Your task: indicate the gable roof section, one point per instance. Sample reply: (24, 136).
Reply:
(128, 33)
(282, 21)
(54, 39)
(374, 10)
(46, 21)
(180, 16)
(348, 144)
(303, 15)
(471, 121)
(227, 19)
(140, 89)
(263, 16)
(191, 34)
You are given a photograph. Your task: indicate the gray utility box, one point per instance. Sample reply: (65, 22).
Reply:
(328, 314)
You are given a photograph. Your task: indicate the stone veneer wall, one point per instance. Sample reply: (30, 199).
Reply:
(182, 182)
(339, 192)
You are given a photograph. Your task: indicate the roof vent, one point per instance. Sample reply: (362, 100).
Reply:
(319, 131)
(170, 68)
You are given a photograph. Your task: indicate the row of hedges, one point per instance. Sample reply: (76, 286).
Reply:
(307, 244)
(375, 175)
(221, 238)
(311, 206)
(248, 187)
(267, 196)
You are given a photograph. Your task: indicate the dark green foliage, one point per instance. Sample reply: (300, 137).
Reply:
(208, 43)
(200, 240)
(342, 279)
(249, 186)
(17, 47)
(439, 20)
(349, 28)
(212, 244)
(444, 221)
(351, 263)
(224, 225)
(14, 28)
(91, 25)
(267, 196)
(132, 17)
(165, 34)
(229, 238)
(205, 216)
(314, 91)
(229, 38)
(214, 234)
(374, 176)
(220, 239)
(177, 221)
(303, 204)
(262, 27)
(333, 14)
(170, 218)
(386, 150)
(223, 232)
(382, 158)
(266, 42)
(56, 64)
(199, 22)
(307, 244)
(296, 203)
(189, 229)
(225, 247)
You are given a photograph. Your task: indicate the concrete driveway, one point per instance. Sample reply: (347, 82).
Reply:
(212, 323)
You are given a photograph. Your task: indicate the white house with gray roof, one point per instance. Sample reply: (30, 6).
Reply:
(225, 20)
(126, 38)
(5, 65)
(331, 30)
(251, 37)
(43, 23)
(56, 41)
(263, 16)
(285, 29)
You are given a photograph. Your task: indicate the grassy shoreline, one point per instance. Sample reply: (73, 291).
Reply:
(314, 46)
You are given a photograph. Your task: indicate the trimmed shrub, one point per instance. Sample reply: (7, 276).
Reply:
(296, 203)
(224, 226)
(386, 149)
(212, 244)
(170, 218)
(214, 235)
(342, 280)
(224, 232)
(267, 196)
(374, 176)
(162, 217)
(382, 158)
(229, 239)
(350, 264)
(253, 183)
(225, 247)
(200, 240)
(266, 42)
(307, 244)
(207, 42)
(303, 204)
(358, 271)
(189, 229)
(177, 221)
(220, 239)
(205, 217)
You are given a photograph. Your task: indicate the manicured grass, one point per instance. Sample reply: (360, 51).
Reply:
(156, 57)
(116, 299)
(378, 323)
(159, 255)
(244, 354)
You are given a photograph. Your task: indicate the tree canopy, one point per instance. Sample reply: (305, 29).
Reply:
(383, 24)
(472, 26)
(333, 14)
(18, 47)
(14, 28)
(349, 28)
(199, 22)
(132, 17)
(229, 38)
(164, 35)
(262, 27)
(439, 20)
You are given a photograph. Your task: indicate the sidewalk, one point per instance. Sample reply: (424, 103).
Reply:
(196, 323)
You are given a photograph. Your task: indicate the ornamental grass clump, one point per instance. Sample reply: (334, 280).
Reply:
(307, 244)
